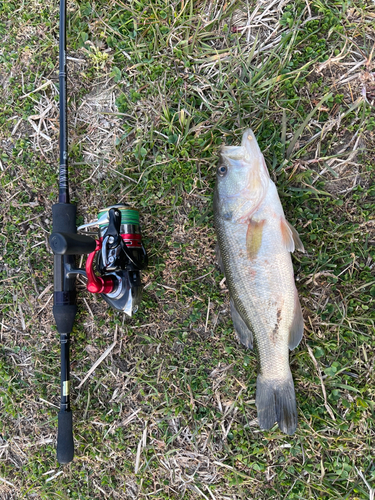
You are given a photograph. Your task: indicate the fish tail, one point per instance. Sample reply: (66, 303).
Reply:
(276, 402)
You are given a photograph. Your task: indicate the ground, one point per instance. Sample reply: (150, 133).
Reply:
(154, 90)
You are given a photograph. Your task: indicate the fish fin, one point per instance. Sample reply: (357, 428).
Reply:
(219, 258)
(244, 334)
(287, 235)
(276, 402)
(254, 237)
(296, 329)
(297, 240)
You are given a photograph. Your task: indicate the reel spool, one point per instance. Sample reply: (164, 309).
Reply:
(119, 257)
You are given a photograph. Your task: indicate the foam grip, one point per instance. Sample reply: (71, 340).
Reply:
(64, 218)
(65, 444)
(64, 315)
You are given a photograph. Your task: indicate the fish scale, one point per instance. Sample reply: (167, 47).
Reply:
(255, 242)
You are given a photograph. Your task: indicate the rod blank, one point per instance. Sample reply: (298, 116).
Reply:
(63, 181)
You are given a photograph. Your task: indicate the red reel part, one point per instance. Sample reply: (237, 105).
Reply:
(97, 284)
(132, 240)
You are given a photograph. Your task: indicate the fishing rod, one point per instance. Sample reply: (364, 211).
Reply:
(115, 259)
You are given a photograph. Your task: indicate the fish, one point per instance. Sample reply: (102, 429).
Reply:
(254, 246)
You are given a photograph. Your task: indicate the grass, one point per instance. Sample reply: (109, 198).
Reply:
(154, 90)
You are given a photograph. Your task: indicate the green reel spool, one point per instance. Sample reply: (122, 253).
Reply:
(128, 215)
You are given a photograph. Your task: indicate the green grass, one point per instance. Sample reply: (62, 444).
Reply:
(185, 80)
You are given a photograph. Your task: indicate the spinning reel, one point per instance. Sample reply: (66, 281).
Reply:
(119, 256)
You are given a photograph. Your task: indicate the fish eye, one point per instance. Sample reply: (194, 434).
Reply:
(222, 170)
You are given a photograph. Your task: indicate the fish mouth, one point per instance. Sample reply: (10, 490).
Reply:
(248, 150)
(250, 143)
(248, 135)
(233, 152)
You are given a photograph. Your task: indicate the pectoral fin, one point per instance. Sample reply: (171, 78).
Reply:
(245, 336)
(254, 237)
(297, 241)
(290, 236)
(296, 329)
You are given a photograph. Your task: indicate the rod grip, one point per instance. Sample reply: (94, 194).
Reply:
(65, 444)
(64, 218)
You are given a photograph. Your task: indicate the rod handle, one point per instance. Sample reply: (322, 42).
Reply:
(64, 218)
(65, 444)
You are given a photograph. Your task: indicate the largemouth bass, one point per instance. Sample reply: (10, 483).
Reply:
(254, 245)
